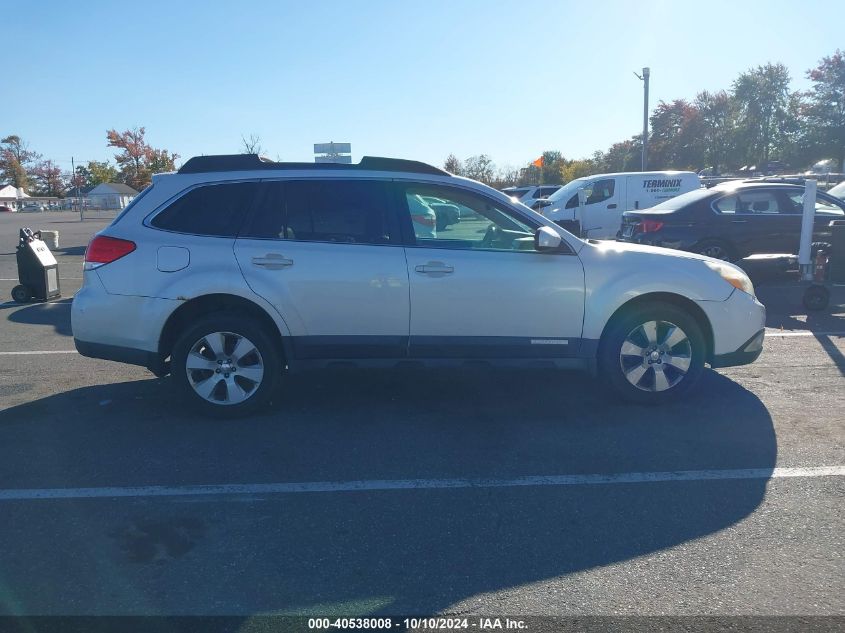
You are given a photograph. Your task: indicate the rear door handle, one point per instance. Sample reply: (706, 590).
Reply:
(611, 206)
(435, 268)
(272, 261)
(739, 221)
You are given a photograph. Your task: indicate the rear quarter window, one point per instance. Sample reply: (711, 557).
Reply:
(215, 210)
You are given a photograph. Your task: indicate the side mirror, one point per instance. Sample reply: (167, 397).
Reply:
(542, 203)
(546, 239)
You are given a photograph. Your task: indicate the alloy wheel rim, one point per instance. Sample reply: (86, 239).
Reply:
(655, 356)
(224, 368)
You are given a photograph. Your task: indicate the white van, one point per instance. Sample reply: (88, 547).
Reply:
(597, 211)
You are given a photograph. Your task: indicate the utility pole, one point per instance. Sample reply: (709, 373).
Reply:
(644, 78)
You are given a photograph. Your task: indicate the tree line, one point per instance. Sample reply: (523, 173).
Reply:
(756, 123)
(135, 163)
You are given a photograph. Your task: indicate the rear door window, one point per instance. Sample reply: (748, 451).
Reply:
(214, 210)
(751, 203)
(347, 211)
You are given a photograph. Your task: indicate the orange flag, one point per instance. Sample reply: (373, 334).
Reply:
(539, 162)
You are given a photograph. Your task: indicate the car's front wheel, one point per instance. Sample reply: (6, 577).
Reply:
(652, 353)
(226, 365)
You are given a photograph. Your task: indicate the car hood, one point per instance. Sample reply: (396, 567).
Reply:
(632, 269)
(609, 246)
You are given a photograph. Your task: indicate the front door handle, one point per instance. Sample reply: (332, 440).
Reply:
(611, 206)
(437, 268)
(272, 261)
(739, 221)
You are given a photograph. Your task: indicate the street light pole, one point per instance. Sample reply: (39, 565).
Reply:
(646, 74)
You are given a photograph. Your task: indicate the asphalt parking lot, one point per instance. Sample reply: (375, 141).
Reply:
(407, 492)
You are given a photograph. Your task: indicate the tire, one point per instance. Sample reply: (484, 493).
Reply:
(21, 294)
(816, 298)
(716, 249)
(675, 334)
(253, 373)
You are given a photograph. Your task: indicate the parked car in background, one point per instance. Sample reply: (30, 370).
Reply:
(532, 195)
(234, 270)
(446, 214)
(607, 196)
(32, 207)
(732, 221)
(4, 209)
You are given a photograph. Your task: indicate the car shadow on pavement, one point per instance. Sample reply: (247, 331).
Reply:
(51, 313)
(417, 551)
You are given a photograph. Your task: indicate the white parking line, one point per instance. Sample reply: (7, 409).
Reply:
(35, 352)
(801, 333)
(415, 484)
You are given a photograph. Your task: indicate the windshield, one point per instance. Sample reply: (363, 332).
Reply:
(838, 191)
(683, 200)
(569, 189)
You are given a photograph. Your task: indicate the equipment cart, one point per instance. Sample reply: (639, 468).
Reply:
(828, 269)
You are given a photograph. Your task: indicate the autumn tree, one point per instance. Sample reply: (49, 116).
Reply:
(716, 126)
(16, 160)
(762, 99)
(48, 180)
(97, 172)
(480, 168)
(826, 107)
(675, 139)
(506, 176)
(623, 156)
(453, 165)
(553, 161)
(137, 160)
(578, 168)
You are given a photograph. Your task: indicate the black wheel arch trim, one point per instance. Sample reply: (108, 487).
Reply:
(677, 300)
(220, 302)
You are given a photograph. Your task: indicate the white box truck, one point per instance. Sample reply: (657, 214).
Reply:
(592, 206)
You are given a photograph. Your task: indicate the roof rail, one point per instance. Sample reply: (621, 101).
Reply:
(250, 162)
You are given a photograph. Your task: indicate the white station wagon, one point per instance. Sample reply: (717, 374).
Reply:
(234, 269)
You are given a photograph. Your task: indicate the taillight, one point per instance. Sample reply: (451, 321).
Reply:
(104, 250)
(650, 226)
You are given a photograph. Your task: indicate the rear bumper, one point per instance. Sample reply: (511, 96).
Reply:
(128, 355)
(747, 353)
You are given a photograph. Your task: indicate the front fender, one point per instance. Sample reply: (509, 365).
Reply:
(616, 275)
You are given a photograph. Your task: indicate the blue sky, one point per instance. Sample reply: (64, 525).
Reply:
(407, 79)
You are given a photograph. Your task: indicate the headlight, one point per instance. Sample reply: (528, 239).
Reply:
(733, 275)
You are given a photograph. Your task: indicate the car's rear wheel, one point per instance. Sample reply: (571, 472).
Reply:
(716, 249)
(226, 365)
(652, 353)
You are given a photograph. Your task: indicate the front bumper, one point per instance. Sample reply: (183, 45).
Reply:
(736, 323)
(746, 354)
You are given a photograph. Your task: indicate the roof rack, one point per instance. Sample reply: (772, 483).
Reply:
(251, 162)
